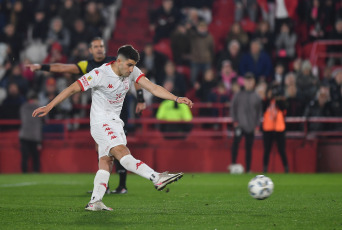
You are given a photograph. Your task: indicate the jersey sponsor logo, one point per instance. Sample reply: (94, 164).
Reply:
(110, 86)
(84, 81)
(89, 78)
(140, 163)
(117, 101)
(112, 137)
(97, 72)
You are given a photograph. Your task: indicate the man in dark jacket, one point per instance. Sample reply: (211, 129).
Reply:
(30, 134)
(246, 111)
(256, 61)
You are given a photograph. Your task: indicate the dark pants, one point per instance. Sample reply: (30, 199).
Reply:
(249, 139)
(279, 137)
(29, 148)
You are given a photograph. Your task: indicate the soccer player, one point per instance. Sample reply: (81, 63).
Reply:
(98, 51)
(109, 84)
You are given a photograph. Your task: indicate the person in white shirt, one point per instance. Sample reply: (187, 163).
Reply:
(109, 84)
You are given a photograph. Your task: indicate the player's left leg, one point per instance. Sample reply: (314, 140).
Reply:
(160, 180)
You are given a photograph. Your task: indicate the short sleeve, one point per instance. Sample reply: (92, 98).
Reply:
(90, 80)
(82, 66)
(137, 74)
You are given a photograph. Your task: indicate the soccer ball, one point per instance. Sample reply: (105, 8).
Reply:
(236, 169)
(260, 187)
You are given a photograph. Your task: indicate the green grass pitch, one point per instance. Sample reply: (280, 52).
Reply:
(197, 201)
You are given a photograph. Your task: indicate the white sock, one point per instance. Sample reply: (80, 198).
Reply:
(139, 167)
(100, 185)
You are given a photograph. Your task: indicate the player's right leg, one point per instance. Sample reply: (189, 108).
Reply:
(100, 185)
(160, 180)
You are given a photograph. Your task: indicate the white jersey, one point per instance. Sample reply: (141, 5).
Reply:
(108, 92)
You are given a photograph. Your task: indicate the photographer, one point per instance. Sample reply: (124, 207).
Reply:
(274, 125)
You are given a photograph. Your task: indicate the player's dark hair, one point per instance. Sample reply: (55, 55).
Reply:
(95, 39)
(129, 52)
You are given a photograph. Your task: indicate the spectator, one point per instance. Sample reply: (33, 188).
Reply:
(307, 83)
(39, 28)
(180, 45)
(297, 66)
(279, 76)
(79, 53)
(11, 105)
(285, 44)
(265, 36)
(153, 61)
(55, 54)
(242, 5)
(46, 96)
(94, 19)
(30, 134)
(204, 88)
(256, 61)
(285, 11)
(202, 50)
(230, 79)
(58, 33)
(320, 107)
(164, 20)
(12, 38)
(237, 33)
(336, 34)
(246, 110)
(79, 33)
(17, 77)
(329, 12)
(274, 127)
(20, 18)
(268, 12)
(219, 94)
(231, 53)
(69, 11)
(336, 93)
(177, 79)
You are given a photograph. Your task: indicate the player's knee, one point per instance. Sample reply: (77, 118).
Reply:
(119, 151)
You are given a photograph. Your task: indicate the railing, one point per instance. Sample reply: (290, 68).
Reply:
(317, 52)
(219, 126)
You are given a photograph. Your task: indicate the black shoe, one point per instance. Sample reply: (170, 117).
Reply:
(107, 191)
(119, 190)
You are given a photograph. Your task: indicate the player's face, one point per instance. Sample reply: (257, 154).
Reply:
(98, 50)
(126, 67)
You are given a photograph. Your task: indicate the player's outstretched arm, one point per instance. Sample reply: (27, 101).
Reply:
(44, 110)
(161, 92)
(56, 68)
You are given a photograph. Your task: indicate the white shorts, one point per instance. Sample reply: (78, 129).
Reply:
(108, 135)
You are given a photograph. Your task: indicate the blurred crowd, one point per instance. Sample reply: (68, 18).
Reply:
(60, 30)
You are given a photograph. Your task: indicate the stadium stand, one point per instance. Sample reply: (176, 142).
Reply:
(129, 21)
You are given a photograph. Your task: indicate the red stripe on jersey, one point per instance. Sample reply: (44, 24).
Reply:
(80, 83)
(141, 75)
(109, 63)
